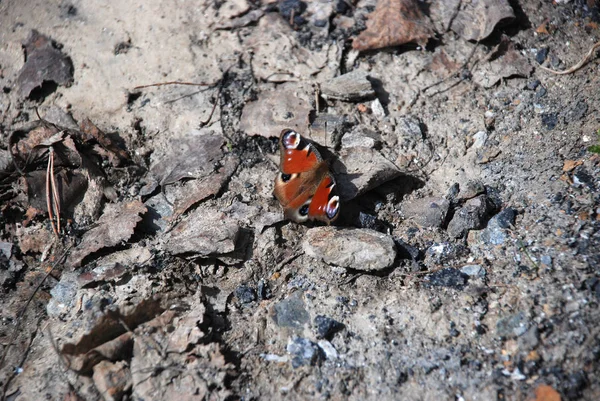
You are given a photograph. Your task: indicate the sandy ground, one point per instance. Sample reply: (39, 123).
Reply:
(465, 263)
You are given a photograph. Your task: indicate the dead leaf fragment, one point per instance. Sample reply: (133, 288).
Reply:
(546, 393)
(116, 224)
(569, 165)
(477, 18)
(193, 156)
(394, 23)
(506, 61)
(44, 62)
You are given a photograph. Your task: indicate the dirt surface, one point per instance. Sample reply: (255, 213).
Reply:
(465, 264)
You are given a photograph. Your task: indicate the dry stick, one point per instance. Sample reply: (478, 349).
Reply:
(174, 83)
(576, 66)
(55, 195)
(49, 202)
(20, 315)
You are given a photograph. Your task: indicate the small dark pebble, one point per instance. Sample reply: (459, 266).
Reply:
(326, 326)
(245, 294)
(406, 251)
(550, 120)
(304, 352)
(368, 221)
(264, 291)
(341, 299)
(447, 277)
(341, 7)
(291, 312)
(287, 7)
(533, 84)
(541, 92)
(541, 55)
(320, 23)
(506, 218)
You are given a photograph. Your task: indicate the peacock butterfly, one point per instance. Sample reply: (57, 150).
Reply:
(304, 186)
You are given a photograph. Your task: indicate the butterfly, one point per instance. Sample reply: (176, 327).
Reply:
(304, 186)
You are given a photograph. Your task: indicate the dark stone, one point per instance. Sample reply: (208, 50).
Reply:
(320, 23)
(574, 385)
(289, 7)
(341, 7)
(291, 312)
(541, 92)
(505, 218)
(440, 253)
(533, 84)
(264, 291)
(304, 352)
(472, 215)
(327, 327)
(582, 177)
(368, 221)
(406, 251)
(451, 278)
(245, 294)
(541, 55)
(550, 120)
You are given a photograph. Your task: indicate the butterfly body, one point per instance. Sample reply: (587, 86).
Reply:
(304, 186)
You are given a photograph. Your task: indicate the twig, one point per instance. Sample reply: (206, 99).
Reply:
(55, 195)
(22, 312)
(175, 83)
(286, 261)
(576, 66)
(49, 198)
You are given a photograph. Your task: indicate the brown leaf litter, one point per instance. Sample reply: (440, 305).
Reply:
(44, 62)
(394, 23)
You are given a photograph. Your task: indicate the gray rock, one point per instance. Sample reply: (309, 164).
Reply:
(440, 253)
(326, 327)
(451, 278)
(512, 325)
(291, 312)
(471, 216)
(495, 233)
(471, 189)
(361, 169)
(245, 294)
(546, 260)
(348, 87)
(303, 352)
(427, 212)
(204, 232)
(63, 295)
(361, 136)
(473, 270)
(360, 248)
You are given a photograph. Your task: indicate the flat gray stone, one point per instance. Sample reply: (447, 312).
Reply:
(204, 232)
(426, 212)
(361, 169)
(349, 87)
(359, 249)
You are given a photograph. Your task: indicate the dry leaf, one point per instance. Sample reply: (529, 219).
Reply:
(478, 18)
(44, 63)
(570, 165)
(543, 28)
(116, 224)
(546, 393)
(394, 23)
